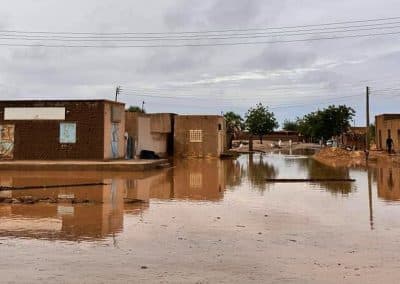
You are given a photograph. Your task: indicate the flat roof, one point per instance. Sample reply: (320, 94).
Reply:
(389, 114)
(62, 101)
(199, 115)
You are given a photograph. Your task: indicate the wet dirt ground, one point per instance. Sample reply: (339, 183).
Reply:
(204, 221)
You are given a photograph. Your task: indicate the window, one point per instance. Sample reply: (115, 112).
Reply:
(67, 133)
(219, 126)
(196, 136)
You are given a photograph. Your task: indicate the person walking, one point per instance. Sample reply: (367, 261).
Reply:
(389, 144)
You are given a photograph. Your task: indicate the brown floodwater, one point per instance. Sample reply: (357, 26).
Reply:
(204, 221)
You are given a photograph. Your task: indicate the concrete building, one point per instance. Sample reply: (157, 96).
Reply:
(387, 125)
(199, 136)
(152, 132)
(62, 130)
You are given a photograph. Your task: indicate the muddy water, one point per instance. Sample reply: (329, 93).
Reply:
(204, 221)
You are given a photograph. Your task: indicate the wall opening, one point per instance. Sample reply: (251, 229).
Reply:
(196, 136)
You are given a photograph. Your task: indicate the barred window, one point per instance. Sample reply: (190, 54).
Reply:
(196, 136)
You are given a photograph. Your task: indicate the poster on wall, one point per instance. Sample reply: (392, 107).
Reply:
(67, 133)
(6, 142)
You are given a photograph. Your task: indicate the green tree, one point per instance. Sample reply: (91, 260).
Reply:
(234, 125)
(135, 109)
(289, 125)
(260, 121)
(372, 132)
(331, 121)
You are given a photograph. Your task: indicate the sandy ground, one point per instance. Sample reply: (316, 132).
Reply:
(336, 157)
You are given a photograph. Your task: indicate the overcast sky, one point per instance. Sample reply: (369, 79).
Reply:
(292, 78)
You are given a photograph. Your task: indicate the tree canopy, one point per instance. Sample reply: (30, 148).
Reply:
(234, 122)
(135, 109)
(290, 125)
(260, 121)
(331, 121)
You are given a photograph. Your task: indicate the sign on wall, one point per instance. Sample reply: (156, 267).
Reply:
(34, 113)
(6, 142)
(67, 133)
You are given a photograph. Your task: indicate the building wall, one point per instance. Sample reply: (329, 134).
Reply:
(384, 123)
(149, 131)
(131, 124)
(144, 140)
(213, 142)
(39, 139)
(114, 114)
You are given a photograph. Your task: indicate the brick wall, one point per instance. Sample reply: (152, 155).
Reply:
(40, 139)
(214, 140)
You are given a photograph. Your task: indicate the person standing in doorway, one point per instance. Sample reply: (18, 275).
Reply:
(389, 144)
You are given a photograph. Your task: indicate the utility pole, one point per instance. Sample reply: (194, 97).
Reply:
(367, 120)
(117, 92)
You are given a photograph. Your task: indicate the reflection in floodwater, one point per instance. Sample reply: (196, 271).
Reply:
(131, 194)
(258, 170)
(105, 205)
(318, 170)
(388, 183)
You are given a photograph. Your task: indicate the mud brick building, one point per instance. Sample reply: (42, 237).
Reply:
(387, 125)
(199, 136)
(62, 130)
(354, 137)
(153, 132)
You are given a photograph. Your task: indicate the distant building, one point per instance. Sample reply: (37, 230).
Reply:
(199, 136)
(387, 125)
(62, 130)
(275, 136)
(355, 138)
(152, 132)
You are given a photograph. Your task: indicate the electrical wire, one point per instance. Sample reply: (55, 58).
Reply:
(208, 31)
(392, 25)
(201, 45)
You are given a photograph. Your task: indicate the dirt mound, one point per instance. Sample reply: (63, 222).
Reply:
(339, 157)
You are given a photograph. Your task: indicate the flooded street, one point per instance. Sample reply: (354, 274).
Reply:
(203, 221)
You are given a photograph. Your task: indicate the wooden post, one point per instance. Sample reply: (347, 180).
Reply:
(367, 121)
(251, 143)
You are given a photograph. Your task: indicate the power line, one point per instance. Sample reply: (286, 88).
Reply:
(201, 45)
(206, 36)
(23, 38)
(207, 31)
